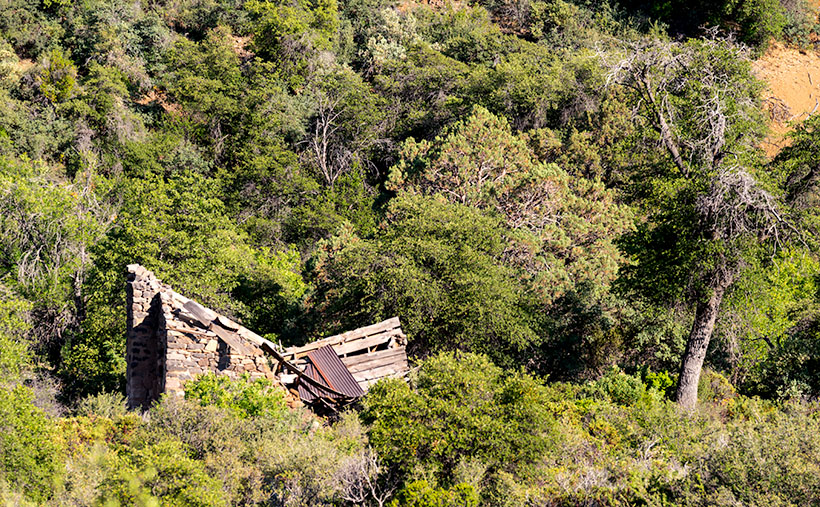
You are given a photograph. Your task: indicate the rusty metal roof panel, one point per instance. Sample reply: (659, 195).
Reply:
(325, 367)
(306, 391)
(309, 393)
(334, 373)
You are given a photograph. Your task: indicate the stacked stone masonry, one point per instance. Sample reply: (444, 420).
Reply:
(167, 346)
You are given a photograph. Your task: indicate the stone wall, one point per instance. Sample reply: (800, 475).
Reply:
(166, 345)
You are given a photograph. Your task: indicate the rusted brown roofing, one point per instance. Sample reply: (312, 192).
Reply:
(325, 367)
(309, 393)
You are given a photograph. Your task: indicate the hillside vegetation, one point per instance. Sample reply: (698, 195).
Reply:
(609, 284)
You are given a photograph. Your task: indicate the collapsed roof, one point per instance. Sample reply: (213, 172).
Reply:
(369, 353)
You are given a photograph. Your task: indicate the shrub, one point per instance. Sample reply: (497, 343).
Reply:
(163, 471)
(14, 352)
(30, 459)
(462, 407)
(618, 386)
(291, 460)
(243, 397)
(58, 80)
(759, 20)
(801, 22)
(422, 494)
(714, 387)
(660, 381)
(104, 404)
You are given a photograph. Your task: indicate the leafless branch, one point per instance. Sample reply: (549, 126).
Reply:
(362, 482)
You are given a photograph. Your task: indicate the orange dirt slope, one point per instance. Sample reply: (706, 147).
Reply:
(793, 78)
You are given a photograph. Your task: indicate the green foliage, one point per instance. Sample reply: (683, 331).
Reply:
(799, 177)
(288, 33)
(9, 65)
(461, 166)
(778, 442)
(787, 370)
(425, 91)
(58, 81)
(30, 459)
(30, 29)
(715, 387)
(44, 228)
(263, 460)
(776, 295)
(109, 405)
(801, 22)
(421, 494)
(759, 20)
(481, 163)
(623, 446)
(205, 77)
(14, 351)
(245, 398)
(347, 124)
(618, 387)
(441, 268)
(460, 407)
(756, 21)
(160, 471)
(660, 381)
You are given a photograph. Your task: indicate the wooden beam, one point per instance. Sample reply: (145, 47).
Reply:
(362, 332)
(362, 344)
(374, 359)
(384, 371)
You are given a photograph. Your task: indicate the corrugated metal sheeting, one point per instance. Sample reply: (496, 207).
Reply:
(325, 367)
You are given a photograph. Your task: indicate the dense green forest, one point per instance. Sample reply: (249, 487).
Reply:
(611, 294)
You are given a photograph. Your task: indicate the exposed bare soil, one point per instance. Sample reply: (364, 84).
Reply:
(793, 78)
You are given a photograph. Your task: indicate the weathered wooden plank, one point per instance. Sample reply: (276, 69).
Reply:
(362, 344)
(202, 314)
(191, 331)
(384, 361)
(397, 362)
(365, 384)
(384, 371)
(372, 329)
(356, 334)
(227, 323)
(251, 336)
(372, 358)
(231, 339)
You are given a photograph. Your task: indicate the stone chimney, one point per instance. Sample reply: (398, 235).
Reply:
(143, 346)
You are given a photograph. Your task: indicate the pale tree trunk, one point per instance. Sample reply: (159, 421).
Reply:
(692, 362)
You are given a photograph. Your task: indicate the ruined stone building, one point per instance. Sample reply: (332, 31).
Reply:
(171, 339)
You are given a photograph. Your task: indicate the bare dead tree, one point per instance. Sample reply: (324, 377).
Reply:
(330, 162)
(345, 126)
